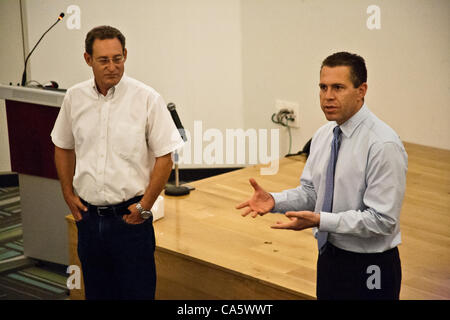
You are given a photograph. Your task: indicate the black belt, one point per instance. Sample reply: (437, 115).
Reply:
(338, 251)
(117, 209)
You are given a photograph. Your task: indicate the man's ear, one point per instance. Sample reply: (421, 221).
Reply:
(88, 59)
(125, 52)
(362, 90)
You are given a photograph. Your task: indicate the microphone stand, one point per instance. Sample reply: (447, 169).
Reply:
(177, 190)
(24, 74)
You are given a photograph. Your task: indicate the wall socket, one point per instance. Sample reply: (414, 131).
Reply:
(291, 106)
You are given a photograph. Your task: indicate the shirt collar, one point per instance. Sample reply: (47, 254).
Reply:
(111, 92)
(349, 126)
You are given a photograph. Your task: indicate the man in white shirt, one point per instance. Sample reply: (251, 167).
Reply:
(351, 191)
(113, 142)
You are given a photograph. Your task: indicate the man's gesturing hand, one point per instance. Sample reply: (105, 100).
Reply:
(260, 203)
(299, 220)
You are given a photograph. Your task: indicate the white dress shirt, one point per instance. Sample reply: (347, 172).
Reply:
(116, 138)
(370, 178)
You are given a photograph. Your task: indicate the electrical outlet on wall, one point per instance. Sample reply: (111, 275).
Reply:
(294, 107)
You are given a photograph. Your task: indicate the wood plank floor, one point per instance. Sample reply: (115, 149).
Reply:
(425, 225)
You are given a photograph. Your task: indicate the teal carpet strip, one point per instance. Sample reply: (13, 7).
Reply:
(35, 283)
(14, 246)
(9, 255)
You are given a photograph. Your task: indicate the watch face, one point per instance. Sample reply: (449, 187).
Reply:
(146, 214)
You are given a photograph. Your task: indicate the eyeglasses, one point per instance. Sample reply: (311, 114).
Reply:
(105, 61)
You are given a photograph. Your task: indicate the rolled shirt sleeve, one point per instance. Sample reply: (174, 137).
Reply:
(163, 137)
(61, 134)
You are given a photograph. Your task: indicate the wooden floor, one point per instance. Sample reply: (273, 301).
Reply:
(425, 225)
(206, 250)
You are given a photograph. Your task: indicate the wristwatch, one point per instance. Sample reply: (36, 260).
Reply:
(145, 214)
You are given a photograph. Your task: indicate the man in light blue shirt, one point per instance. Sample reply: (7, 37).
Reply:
(351, 190)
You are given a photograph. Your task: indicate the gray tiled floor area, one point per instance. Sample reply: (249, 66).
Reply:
(22, 278)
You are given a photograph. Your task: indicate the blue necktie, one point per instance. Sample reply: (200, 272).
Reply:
(329, 185)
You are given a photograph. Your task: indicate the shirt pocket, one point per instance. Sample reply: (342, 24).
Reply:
(85, 140)
(126, 140)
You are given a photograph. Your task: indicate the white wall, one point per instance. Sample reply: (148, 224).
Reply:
(11, 66)
(225, 62)
(285, 41)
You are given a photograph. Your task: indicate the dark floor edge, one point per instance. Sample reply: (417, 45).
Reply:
(189, 175)
(9, 179)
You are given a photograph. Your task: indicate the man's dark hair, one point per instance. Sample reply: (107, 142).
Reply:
(102, 33)
(358, 71)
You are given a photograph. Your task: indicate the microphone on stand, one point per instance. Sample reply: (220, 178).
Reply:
(24, 75)
(176, 190)
(176, 119)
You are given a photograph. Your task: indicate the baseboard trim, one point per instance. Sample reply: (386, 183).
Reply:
(11, 179)
(189, 175)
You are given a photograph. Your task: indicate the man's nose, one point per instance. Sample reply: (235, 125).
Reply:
(110, 66)
(329, 94)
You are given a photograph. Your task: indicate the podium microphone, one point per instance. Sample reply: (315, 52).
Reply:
(176, 190)
(24, 75)
(176, 119)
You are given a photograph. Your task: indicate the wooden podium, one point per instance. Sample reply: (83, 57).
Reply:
(31, 114)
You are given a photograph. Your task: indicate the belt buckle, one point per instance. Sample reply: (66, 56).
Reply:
(99, 211)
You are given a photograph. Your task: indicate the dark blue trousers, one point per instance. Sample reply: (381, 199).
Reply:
(345, 275)
(117, 258)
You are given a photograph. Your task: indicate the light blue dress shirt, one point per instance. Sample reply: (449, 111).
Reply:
(369, 187)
